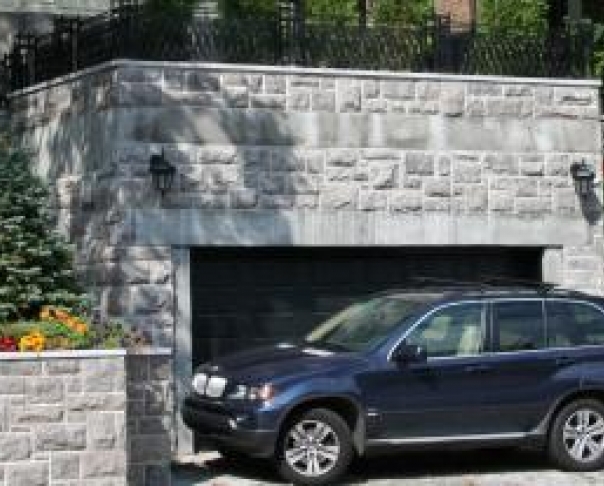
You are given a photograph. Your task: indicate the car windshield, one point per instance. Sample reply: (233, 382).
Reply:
(364, 324)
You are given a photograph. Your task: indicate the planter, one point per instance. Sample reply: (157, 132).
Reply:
(85, 417)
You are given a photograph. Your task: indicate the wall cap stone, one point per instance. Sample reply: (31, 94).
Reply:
(85, 354)
(295, 70)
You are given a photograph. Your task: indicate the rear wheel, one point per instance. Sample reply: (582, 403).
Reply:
(576, 441)
(315, 449)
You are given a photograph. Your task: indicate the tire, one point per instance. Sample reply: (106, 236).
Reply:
(576, 439)
(315, 448)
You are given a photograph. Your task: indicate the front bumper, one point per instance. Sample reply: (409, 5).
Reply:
(225, 428)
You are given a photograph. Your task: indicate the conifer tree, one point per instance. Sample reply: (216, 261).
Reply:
(36, 263)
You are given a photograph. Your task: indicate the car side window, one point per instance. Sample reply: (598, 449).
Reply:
(573, 324)
(518, 325)
(456, 330)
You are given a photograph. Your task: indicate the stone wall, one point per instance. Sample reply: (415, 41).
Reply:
(69, 419)
(313, 157)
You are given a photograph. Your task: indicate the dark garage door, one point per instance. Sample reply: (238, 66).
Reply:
(243, 297)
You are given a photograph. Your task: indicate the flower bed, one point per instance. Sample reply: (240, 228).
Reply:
(58, 328)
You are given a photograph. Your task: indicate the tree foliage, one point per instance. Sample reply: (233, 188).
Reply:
(410, 11)
(514, 14)
(36, 264)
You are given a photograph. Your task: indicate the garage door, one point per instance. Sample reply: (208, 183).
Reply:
(253, 296)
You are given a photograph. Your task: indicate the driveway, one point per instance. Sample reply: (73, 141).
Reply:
(488, 468)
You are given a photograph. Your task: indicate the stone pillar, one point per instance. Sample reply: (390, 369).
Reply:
(461, 11)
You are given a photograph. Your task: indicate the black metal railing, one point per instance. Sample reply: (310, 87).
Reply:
(287, 37)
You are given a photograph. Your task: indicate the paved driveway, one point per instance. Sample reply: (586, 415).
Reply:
(490, 468)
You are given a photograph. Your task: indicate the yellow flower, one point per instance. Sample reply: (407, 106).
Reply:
(34, 341)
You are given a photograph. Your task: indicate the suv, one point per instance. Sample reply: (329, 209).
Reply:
(466, 368)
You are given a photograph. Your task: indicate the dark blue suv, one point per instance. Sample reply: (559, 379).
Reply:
(465, 368)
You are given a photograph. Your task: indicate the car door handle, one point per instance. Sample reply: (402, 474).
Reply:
(479, 368)
(565, 361)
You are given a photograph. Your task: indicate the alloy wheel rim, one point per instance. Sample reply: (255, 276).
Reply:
(312, 448)
(583, 435)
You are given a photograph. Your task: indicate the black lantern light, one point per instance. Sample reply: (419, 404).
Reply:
(162, 173)
(583, 175)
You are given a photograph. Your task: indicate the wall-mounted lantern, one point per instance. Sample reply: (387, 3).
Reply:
(162, 173)
(583, 176)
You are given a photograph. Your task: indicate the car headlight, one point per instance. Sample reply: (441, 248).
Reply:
(200, 380)
(253, 393)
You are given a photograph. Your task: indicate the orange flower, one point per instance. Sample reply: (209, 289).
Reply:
(32, 342)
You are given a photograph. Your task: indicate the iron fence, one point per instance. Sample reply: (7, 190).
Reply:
(287, 37)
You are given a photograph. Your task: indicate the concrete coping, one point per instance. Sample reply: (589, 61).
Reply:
(296, 70)
(85, 354)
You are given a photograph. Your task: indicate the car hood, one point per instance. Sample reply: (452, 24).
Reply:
(281, 361)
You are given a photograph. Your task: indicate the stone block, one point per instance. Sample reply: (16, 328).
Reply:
(14, 447)
(428, 90)
(467, 172)
(533, 206)
(40, 414)
(126, 272)
(437, 188)
(101, 431)
(304, 81)
(532, 165)
(201, 81)
(342, 158)
(243, 198)
(406, 202)
(286, 161)
(28, 474)
(276, 201)
(97, 402)
(160, 272)
(304, 184)
(478, 200)
(340, 198)
(20, 368)
(54, 437)
(501, 164)
(103, 464)
(371, 88)
(384, 176)
(147, 299)
(501, 203)
(269, 101)
(44, 390)
(418, 163)
(398, 90)
(373, 201)
(299, 101)
(102, 375)
(476, 107)
(323, 101)
(485, 89)
(236, 97)
(453, 100)
(63, 367)
(375, 106)
(516, 108)
(558, 165)
(575, 96)
(12, 385)
(65, 467)
(519, 90)
(349, 97)
(274, 84)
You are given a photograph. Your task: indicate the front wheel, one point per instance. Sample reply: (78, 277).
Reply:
(576, 441)
(315, 448)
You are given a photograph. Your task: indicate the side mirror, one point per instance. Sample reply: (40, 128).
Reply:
(409, 354)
